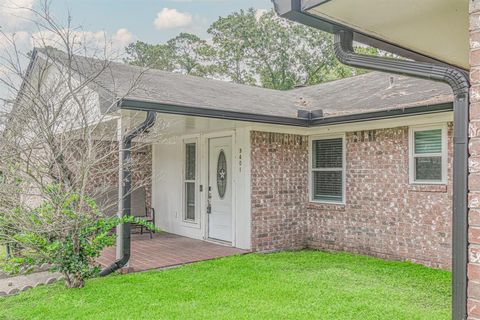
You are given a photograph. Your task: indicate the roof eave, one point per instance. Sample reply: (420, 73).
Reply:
(138, 105)
(296, 10)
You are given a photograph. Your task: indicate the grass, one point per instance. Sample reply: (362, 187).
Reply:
(287, 285)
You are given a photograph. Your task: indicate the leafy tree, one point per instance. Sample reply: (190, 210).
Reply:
(186, 53)
(231, 48)
(280, 53)
(159, 56)
(255, 48)
(191, 55)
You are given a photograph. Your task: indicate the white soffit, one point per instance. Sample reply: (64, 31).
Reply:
(435, 28)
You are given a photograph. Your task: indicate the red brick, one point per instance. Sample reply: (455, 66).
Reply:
(473, 272)
(105, 173)
(473, 307)
(278, 190)
(474, 146)
(475, 109)
(474, 182)
(474, 253)
(475, 93)
(474, 290)
(473, 199)
(474, 6)
(475, 57)
(384, 215)
(474, 217)
(166, 250)
(474, 235)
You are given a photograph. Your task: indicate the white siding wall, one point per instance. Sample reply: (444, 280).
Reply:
(167, 186)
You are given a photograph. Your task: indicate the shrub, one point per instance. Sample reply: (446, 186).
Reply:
(67, 231)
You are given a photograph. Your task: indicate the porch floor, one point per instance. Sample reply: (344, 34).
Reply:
(166, 250)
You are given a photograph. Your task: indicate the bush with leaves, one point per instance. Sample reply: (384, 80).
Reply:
(66, 231)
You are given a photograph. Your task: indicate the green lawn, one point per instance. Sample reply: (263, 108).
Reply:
(288, 285)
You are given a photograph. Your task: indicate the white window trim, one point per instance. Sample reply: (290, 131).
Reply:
(196, 182)
(310, 167)
(444, 154)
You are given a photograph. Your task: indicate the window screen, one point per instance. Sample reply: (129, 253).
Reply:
(327, 170)
(427, 155)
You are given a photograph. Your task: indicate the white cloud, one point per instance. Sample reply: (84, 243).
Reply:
(89, 42)
(122, 38)
(15, 13)
(21, 40)
(171, 18)
(92, 43)
(78, 39)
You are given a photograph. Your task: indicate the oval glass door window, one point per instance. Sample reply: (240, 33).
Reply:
(221, 174)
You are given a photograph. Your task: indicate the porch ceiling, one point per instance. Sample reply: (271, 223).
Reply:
(172, 125)
(436, 29)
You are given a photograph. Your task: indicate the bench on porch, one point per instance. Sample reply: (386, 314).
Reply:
(109, 202)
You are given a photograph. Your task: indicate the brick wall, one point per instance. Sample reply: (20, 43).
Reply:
(384, 215)
(279, 191)
(105, 174)
(474, 165)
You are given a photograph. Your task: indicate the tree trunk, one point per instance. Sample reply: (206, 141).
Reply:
(74, 280)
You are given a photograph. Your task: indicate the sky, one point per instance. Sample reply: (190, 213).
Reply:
(120, 22)
(152, 21)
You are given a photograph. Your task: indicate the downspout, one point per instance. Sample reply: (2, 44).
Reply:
(458, 81)
(127, 190)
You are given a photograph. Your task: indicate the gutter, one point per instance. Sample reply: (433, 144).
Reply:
(384, 114)
(421, 67)
(297, 10)
(126, 180)
(307, 120)
(209, 112)
(458, 81)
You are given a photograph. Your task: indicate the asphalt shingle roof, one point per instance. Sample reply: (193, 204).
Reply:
(374, 91)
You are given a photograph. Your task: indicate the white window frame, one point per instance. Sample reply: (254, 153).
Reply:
(196, 181)
(443, 154)
(311, 169)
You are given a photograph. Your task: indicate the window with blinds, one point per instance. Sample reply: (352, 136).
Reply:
(327, 170)
(189, 181)
(428, 155)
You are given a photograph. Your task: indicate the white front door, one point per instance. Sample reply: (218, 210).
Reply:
(219, 211)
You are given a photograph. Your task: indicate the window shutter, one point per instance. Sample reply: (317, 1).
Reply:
(327, 166)
(429, 141)
(328, 153)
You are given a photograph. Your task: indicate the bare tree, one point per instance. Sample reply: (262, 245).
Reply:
(59, 148)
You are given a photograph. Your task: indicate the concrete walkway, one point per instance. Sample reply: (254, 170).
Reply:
(16, 284)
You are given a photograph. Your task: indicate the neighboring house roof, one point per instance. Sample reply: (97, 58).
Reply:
(369, 92)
